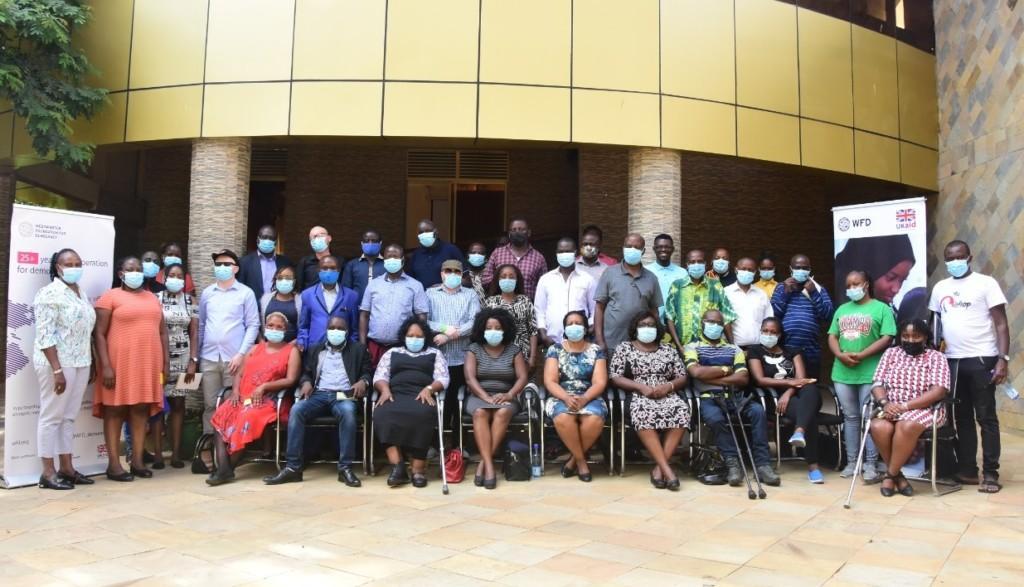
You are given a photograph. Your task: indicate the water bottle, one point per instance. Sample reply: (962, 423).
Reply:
(1010, 391)
(535, 468)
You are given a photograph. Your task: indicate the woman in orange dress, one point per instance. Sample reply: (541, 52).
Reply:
(131, 342)
(241, 418)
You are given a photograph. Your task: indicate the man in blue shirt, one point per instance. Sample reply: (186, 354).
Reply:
(804, 307)
(389, 299)
(359, 271)
(663, 268)
(425, 262)
(322, 301)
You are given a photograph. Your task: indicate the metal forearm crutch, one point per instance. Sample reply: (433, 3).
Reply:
(723, 404)
(865, 422)
(750, 453)
(440, 443)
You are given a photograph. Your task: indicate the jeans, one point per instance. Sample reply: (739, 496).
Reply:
(803, 411)
(321, 403)
(753, 412)
(971, 381)
(851, 398)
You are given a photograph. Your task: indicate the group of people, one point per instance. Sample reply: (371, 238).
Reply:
(409, 327)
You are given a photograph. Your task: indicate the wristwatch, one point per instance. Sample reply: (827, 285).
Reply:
(1005, 358)
(724, 369)
(194, 360)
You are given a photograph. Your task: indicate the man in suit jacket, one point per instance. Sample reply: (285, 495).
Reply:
(324, 300)
(257, 268)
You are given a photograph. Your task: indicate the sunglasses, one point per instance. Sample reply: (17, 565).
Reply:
(224, 264)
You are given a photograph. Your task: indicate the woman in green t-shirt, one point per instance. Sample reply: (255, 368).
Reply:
(861, 330)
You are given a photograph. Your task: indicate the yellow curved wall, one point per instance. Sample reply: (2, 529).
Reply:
(754, 78)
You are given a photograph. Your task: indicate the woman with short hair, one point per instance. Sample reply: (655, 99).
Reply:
(282, 298)
(181, 315)
(171, 254)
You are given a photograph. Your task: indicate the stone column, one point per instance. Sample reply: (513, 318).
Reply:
(602, 181)
(218, 202)
(655, 196)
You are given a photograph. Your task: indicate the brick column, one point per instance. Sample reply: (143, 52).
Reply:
(603, 192)
(654, 195)
(218, 202)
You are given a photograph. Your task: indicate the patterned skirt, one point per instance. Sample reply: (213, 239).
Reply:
(239, 425)
(670, 411)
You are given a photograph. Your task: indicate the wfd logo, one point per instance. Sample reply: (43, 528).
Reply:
(845, 223)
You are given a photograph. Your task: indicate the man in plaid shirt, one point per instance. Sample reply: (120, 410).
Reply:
(518, 252)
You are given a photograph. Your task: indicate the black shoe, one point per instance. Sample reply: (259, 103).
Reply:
(585, 477)
(672, 484)
(657, 483)
(907, 490)
(159, 465)
(348, 477)
(399, 476)
(55, 482)
(566, 471)
(144, 473)
(735, 473)
(147, 457)
(178, 463)
(76, 478)
(214, 479)
(490, 483)
(122, 477)
(888, 491)
(419, 480)
(285, 475)
(768, 475)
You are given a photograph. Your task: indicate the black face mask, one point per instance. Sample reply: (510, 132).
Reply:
(913, 348)
(517, 238)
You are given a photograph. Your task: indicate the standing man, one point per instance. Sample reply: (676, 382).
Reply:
(624, 291)
(591, 260)
(388, 300)
(749, 303)
(308, 271)
(359, 271)
(720, 263)
(451, 314)
(663, 268)
(425, 262)
(518, 252)
(691, 296)
(560, 291)
(971, 311)
(257, 268)
(229, 321)
(804, 307)
(322, 301)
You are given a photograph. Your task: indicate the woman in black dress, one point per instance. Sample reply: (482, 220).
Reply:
(283, 298)
(408, 378)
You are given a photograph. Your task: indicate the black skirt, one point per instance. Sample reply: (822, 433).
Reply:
(405, 421)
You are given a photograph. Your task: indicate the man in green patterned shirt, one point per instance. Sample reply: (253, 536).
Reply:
(691, 296)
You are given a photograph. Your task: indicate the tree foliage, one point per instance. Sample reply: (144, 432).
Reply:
(43, 75)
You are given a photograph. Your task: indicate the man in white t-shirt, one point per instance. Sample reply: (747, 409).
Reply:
(751, 305)
(971, 310)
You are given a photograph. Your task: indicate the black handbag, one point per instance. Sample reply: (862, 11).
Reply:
(203, 445)
(517, 461)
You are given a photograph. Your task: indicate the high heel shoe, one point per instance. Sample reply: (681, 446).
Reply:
(144, 473)
(491, 483)
(672, 484)
(888, 491)
(566, 471)
(585, 477)
(56, 482)
(657, 483)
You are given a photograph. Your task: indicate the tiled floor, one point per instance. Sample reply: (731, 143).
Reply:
(175, 530)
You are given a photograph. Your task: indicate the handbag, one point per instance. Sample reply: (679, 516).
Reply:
(454, 465)
(517, 461)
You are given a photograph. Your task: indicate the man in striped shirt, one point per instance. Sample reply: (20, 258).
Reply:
(451, 314)
(804, 307)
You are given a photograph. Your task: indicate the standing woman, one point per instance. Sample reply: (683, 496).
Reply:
(181, 315)
(150, 270)
(131, 343)
(171, 255)
(507, 293)
(476, 258)
(281, 298)
(62, 358)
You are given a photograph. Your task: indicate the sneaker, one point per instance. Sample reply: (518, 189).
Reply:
(797, 440)
(768, 475)
(871, 474)
(848, 472)
(735, 471)
(432, 454)
(815, 476)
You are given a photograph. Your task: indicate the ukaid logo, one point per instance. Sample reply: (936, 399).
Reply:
(28, 258)
(906, 219)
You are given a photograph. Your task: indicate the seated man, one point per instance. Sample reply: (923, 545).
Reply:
(336, 374)
(716, 365)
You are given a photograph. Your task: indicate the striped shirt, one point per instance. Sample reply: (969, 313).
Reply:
(453, 309)
(802, 314)
(708, 354)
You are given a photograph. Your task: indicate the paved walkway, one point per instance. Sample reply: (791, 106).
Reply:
(173, 530)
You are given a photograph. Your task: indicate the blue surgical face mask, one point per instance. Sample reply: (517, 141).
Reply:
(713, 331)
(646, 334)
(222, 272)
(632, 256)
(494, 337)
(721, 266)
(696, 270)
(744, 277)
(767, 274)
(427, 239)
(150, 269)
(476, 259)
(133, 279)
(957, 267)
(371, 249)
(72, 275)
(328, 276)
(175, 284)
(266, 245)
(801, 275)
(318, 244)
(566, 259)
(273, 335)
(768, 340)
(452, 280)
(414, 343)
(171, 260)
(336, 336)
(284, 286)
(392, 265)
(855, 294)
(575, 332)
(507, 285)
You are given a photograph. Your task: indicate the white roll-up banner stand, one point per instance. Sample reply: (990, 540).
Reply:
(37, 233)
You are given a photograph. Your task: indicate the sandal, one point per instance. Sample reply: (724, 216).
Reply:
(990, 484)
(888, 491)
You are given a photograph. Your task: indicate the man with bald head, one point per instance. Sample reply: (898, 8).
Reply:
(307, 274)
(624, 290)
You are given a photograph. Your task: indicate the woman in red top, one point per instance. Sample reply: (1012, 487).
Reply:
(241, 418)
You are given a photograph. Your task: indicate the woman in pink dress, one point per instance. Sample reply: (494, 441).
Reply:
(241, 418)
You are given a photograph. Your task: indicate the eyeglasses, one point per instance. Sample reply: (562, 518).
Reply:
(224, 264)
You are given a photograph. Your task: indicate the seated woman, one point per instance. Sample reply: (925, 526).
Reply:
(909, 380)
(269, 367)
(575, 375)
(654, 373)
(408, 378)
(782, 368)
(496, 375)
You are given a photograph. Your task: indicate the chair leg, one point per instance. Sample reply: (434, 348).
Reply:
(622, 436)
(778, 441)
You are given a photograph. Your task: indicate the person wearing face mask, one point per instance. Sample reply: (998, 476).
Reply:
(476, 262)
(622, 292)
(715, 365)
(496, 375)
(970, 311)
(909, 380)
(861, 330)
(561, 290)
(171, 254)
(690, 296)
(804, 307)
(654, 375)
(507, 293)
(591, 259)
(749, 303)
(335, 377)
(150, 272)
(425, 261)
(663, 268)
(258, 268)
(359, 271)
(528, 260)
(408, 379)
(268, 367)
(323, 300)
(64, 321)
(450, 315)
(308, 270)
(722, 267)
(131, 345)
(388, 301)
(181, 315)
(283, 298)
(766, 274)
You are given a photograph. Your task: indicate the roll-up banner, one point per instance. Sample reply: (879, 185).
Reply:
(37, 233)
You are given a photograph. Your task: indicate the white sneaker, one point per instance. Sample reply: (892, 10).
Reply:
(848, 472)
(871, 474)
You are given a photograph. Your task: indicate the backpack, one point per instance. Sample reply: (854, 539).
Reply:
(517, 461)
(454, 465)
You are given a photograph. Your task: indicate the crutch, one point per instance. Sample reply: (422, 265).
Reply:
(750, 453)
(440, 443)
(865, 422)
(723, 403)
